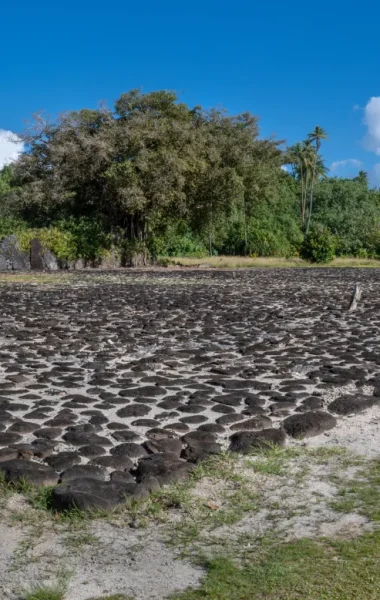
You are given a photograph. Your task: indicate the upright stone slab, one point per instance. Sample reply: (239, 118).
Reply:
(11, 257)
(36, 262)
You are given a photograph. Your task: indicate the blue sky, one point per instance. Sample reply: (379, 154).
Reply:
(295, 64)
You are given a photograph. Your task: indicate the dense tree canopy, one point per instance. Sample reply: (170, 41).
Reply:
(170, 179)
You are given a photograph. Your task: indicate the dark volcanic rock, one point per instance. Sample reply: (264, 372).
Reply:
(84, 472)
(84, 438)
(9, 438)
(86, 494)
(112, 462)
(199, 445)
(165, 468)
(31, 472)
(245, 441)
(36, 262)
(23, 427)
(62, 461)
(352, 405)
(308, 424)
(7, 454)
(133, 410)
(168, 446)
(125, 435)
(128, 449)
(254, 423)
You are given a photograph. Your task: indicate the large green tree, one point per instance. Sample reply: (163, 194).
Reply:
(150, 160)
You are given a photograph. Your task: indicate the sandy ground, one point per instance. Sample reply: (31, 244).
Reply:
(280, 328)
(138, 562)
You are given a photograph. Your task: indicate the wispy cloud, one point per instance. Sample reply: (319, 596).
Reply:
(10, 147)
(374, 175)
(343, 164)
(372, 121)
(356, 107)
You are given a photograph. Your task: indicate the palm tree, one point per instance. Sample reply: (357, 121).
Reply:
(317, 135)
(307, 167)
(318, 169)
(296, 157)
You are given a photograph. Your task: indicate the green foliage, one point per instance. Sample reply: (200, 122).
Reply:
(319, 246)
(178, 240)
(5, 179)
(156, 177)
(62, 244)
(351, 212)
(88, 235)
(9, 225)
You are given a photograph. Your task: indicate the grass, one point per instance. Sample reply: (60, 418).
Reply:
(362, 493)
(35, 278)
(302, 570)
(53, 591)
(78, 540)
(114, 597)
(222, 491)
(238, 262)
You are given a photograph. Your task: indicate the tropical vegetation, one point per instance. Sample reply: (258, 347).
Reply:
(154, 177)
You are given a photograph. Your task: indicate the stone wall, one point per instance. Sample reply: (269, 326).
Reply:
(14, 259)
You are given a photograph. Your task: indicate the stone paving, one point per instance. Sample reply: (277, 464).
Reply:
(114, 383)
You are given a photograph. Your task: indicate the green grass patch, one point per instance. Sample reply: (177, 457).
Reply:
(361, 494)
(53, 591)
(303, 570)
(241, 262)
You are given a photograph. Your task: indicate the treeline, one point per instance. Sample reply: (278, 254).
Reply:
(153, 177)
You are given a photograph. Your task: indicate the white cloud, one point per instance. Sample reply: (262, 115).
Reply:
(341, 164)
(356, 107)
(10, 147)
(374, 175)
(372, 120)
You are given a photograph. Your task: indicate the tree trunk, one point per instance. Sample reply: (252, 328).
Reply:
(302, 197)
(245, 229)
(311, 203)
(210, 231)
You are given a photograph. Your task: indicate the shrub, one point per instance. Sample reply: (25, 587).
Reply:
(319, 246)
(9, 225)
(60, 243)
(177, 240)
(91, 240)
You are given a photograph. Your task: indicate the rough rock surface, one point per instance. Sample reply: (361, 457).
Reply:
(11, 257)
(84, 494)
(308, 424)
(17, 470)
(146, 373)
(245, 441)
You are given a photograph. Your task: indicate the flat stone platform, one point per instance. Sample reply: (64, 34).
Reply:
(114, 383)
